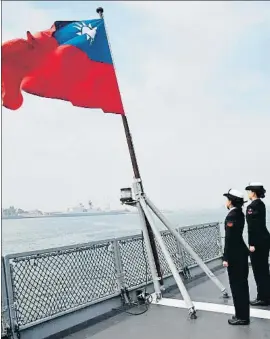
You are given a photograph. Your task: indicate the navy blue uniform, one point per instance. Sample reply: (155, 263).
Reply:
(259, 237)
(236, 254)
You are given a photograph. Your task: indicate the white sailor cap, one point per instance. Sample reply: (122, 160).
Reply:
(233, 193)
(254, 185)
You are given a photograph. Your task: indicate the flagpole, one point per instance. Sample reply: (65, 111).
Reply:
(137, 176)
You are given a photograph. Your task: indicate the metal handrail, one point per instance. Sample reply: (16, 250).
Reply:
(46, 284)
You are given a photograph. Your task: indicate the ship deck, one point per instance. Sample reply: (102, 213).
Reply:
(169, 319)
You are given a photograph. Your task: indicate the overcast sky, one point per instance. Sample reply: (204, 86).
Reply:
(194, 78)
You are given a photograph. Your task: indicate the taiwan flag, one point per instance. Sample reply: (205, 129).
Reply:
(70, 61)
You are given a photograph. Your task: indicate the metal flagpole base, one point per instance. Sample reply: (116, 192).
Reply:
(179, 282)
(150, 256)
(182, 241)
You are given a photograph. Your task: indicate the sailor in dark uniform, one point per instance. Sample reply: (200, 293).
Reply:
(235, 257)
(259, 243)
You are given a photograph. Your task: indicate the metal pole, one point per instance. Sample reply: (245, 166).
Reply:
(149, 253)
(178, 280)
(138, 176)
(182, 241)
(131, 150)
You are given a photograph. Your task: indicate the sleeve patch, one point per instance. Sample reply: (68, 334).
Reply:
(249, 211)
(230, 224)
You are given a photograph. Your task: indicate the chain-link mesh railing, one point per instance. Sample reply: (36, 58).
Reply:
(173, 247)
(136, 268)
(204, 240)
(4, 324)
(48, 283)
(134, 261)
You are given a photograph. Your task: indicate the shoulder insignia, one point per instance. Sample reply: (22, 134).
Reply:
(250, 211)
(230, 224)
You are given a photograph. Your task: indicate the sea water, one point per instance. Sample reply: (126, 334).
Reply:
(20, 235)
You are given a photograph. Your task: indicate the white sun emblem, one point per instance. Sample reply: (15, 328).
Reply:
(87, 30)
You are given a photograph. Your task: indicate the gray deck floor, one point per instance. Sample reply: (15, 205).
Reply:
(205, 291)
(171, 323)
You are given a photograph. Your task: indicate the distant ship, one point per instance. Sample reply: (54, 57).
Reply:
(77, 211)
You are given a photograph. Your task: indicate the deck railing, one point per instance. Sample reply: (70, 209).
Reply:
(42, 285)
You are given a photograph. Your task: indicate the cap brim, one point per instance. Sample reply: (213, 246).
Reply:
(227, 195)
(248, 188)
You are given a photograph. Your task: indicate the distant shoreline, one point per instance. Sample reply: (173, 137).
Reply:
(65, 215)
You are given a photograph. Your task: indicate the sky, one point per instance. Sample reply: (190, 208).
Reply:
(194, 79)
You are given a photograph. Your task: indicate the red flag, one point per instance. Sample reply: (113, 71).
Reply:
(71, 61)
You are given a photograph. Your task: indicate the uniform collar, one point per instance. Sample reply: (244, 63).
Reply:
(231, 209)
(255, 200)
